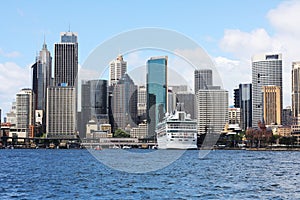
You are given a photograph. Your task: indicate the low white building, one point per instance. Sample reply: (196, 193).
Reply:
(139, 132)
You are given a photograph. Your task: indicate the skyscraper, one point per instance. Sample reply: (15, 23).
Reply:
(24, 112)
(66, 60)
(212, 108)
(42, 78)
(202, 79)
(157, 91)
(296, 89)
(173, 90)
(266, 70)
(287, 119)
(188, 100)
(245, 97)
(296, 98)
(124, 103)
(142, 103)
(61, 112)
(118, 68)
(11, 116)
(272, 104)
(93, 103)
(237, 98)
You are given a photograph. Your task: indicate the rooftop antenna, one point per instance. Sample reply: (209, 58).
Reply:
(44, 45)
(69, 28)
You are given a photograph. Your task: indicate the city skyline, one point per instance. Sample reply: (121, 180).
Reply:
(230, 40)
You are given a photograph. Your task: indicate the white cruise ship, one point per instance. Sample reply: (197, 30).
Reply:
(177, 131)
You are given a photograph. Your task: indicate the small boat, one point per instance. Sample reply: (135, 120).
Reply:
(33, 146)
(126, 147)
(98, 148)
(51, 146)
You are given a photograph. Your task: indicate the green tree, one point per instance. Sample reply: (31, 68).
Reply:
(287, 140)
(119, 133)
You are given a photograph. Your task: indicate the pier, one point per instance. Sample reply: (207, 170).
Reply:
(66, 143)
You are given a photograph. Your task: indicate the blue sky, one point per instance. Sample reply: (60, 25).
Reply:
(230, 31)
(25, 23)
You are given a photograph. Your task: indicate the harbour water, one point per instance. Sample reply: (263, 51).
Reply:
(70, 174)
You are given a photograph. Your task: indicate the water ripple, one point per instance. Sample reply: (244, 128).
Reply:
(69, 174)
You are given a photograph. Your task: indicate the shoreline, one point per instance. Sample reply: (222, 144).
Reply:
(213, 149)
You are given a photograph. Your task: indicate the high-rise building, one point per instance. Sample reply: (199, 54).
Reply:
(237, 98)
(124, 103)
(296, 90)
(188, 101)
(245, 97)
(142, 103)
(41, 79)
(93, 103)
(202, 79)
(173, 90)
(24, 112)
(61, 112)
(272, 105)
(266, 70)
(171, 101)
(157, 90)
(296, 99)
(287, 119)
(178, 88)
(118, 68)
(234, 116)
(212, 108)
(66, 60)
(11, 116)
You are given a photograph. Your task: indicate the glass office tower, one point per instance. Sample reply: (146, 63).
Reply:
(266, 70)
(156, 92)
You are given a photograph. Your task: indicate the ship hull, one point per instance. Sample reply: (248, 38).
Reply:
(165, 142)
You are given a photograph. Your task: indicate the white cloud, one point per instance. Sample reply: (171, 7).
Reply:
(285, 20)
(232, 73)
(244, 44)
(12, 79)
(186, 61)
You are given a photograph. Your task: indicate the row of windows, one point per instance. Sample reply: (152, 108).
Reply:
(182, 126)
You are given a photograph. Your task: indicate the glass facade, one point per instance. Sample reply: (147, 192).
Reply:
(93, 103)
(66, 60)
(245, 102)
(266, 70)
(156, 92)
(203, 79)
(124, 103)
(68, 37)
